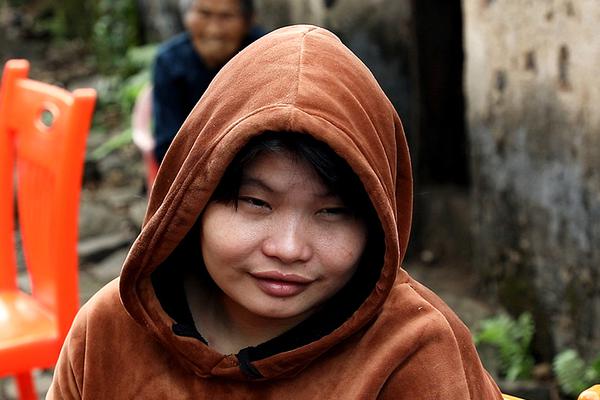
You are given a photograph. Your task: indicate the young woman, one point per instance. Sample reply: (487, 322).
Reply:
(269, 265)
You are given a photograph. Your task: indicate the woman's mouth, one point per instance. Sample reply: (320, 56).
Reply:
(276, 284)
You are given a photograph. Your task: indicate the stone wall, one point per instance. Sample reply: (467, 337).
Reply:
(533, 96)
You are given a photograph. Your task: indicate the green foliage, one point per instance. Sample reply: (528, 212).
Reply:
(573, 374)
(511, 339)
(139, 58)
(112, 144)
(137, 72)
(115, 30)
(119, 91)
(72, 19)
(57, 21)
(117, 96)
(108, 27)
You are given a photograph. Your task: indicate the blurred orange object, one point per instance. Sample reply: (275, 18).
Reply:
(43, 132)
(592, 393)
(141, 124)
(507, 397)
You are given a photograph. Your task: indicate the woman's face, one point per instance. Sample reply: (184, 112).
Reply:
(288, 247)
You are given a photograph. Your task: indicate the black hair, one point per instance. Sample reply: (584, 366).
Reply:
(333, 170)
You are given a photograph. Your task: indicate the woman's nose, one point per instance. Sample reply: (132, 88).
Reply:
(289, 241)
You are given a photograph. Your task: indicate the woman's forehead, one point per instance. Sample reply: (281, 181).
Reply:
(279, 171)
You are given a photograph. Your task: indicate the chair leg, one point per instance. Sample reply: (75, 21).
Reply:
(26, 386)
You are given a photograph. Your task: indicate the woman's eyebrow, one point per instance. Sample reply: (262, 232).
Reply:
(257, 183)
(251, 181)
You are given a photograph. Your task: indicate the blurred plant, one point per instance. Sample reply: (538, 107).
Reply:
(68, 19)
(114, 143)
(120, 90)
(115, 30)
(573, 374)
(72, 19)
(117, 97)
(108, 27)
(511, 340)
(137, 71)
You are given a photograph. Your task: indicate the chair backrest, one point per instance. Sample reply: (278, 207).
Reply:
(43, 132)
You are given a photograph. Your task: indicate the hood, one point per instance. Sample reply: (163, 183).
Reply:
(298, 79)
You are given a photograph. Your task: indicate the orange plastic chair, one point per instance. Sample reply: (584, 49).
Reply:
(141, 124)
(43, 131)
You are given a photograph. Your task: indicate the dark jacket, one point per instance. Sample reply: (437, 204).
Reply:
(179, 78)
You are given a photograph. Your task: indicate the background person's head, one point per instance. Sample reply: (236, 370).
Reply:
(217, 27)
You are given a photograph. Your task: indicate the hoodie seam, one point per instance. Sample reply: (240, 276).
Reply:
(299, 68)
(294, 102)
(301, 63)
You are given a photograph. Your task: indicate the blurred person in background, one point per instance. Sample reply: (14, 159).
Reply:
(215, 30)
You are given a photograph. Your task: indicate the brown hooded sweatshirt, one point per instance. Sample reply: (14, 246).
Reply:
(401, 342)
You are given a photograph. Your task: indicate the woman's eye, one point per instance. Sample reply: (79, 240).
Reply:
(254, 202)
(334, 211)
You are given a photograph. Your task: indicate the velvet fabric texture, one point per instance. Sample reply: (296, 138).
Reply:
(403, 342)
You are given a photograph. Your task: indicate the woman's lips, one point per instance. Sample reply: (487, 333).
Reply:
(277, 284)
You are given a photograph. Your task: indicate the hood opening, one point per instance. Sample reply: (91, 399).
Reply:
(168, 278)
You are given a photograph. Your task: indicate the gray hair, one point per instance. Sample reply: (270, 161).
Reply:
(247, 7)
(184, 6)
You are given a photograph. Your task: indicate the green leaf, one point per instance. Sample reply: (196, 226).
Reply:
(511, 339)
(114, 143)
(570, 371)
